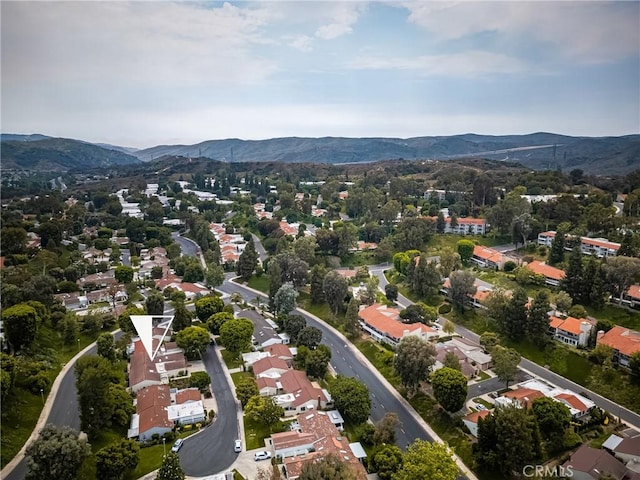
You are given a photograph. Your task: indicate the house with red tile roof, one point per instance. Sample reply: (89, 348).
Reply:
(522, 397)
(384, 325)
(625, 342)
(471, 420)
(281, 351)
(312, 437)
(632, 296)
(552, 275)
(151, 415)
(297, 393)
(486, 257)
(272, 367)
(528, 391)
(571, 331)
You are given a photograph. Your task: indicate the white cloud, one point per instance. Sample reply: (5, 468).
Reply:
(591, 32)
(304, 43)
(343, 15)
(137, 43)
(467, 64)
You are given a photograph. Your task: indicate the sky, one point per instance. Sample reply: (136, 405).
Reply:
(145, 73)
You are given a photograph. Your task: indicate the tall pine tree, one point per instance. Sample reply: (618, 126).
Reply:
(573, 282)
(538, 321)
(515, 318)
(248, 261)
(556, 253)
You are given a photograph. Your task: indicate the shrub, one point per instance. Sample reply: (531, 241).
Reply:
(444, 308)
(510, 266)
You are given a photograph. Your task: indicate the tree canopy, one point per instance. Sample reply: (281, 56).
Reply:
(425, 459)
(413, 361)
(56, 453)
(351, 397)
(449, 388)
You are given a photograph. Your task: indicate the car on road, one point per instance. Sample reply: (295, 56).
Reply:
(263, 455)
(178, 445)
(237, 446)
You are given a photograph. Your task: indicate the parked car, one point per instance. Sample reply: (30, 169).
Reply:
(263, 455)
(178, 445)
(237, 446)
(480, 407)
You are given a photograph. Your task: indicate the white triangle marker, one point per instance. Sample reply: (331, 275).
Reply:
(144, 328)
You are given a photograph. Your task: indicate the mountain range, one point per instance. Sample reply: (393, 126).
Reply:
(594, 155)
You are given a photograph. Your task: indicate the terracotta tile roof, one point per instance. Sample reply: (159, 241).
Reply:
(288, 229)
(279, 350)
(268, 363)
(572, 400)
(297, 383)
(386, 320)
(188, 395)
(266, 382)
(488, 254)
(154, 395)
(600, 243)
(546, 270)
(634, 292)
(474, 416)
(328, 441)
(348, 273)
(524, 395)
(569, 324)
(291, 439)
(468, 221)
(155, 416)
(622, 339)
(549, 233)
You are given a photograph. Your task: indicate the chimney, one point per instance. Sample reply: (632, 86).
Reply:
(599, 336)
(319, 400)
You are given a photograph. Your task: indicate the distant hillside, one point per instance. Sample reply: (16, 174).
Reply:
(615, 155)
(58, 154)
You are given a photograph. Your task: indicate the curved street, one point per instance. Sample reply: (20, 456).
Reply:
(347, 361)
(211, 451)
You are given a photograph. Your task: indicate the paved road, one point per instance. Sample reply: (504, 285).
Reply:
(531, 367)
(126, 257)
(211, 451)
(345, 362)
(262, 253)
(187, 246)
(64, 411)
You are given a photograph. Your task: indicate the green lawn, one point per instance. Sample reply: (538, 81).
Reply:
(232, 361)
(444, 425)
(236, 377)
(21, 408)
(482, 401)
(358, 259)
(618, 315)
(381, 358)
(483, 376)
(255, 433)
(260, 283)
